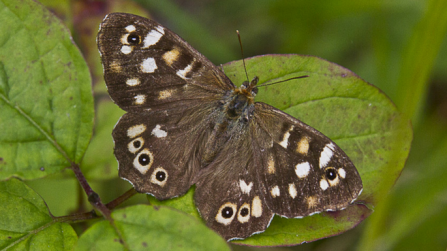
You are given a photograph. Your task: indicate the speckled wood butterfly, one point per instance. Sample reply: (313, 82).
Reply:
(187, 123)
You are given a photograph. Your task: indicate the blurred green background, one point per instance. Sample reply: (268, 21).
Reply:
(399, 46)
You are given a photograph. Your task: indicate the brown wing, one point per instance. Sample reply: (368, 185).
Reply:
(159, 152)
(228, 194)
(170, 91)
(147, 66)
(303, 171)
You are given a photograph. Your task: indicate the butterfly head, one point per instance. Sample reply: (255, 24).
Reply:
(249, 88)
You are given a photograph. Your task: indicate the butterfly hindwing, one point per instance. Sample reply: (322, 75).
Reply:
(303, 171)
(156, 153)
(231, 202)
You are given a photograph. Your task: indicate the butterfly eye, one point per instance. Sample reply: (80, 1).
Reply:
(135, 145)
(227, 212)
(133, 39)
(143, 161)
(244, 212)
(331, 174)
(160, 176)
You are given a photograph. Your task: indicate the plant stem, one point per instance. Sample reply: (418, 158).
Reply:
(93, 197)
(76, 217)
(95, 200)
(128, 194)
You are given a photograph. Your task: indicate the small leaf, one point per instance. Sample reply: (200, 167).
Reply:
(25, 221)
(151, 228)
(183, 203)
(45, 93)
(353, 113)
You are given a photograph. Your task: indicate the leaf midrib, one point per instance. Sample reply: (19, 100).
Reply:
(38, 127)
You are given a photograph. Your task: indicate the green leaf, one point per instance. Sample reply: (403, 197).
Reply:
(99, 161)
(184, 203)
(353, 113)
(45, 93)
(25, 222)
(151, 228)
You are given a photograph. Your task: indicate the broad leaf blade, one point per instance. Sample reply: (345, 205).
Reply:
(335, 101)
(45, 93)
(353, 113)
(151, 228)
(25, 221)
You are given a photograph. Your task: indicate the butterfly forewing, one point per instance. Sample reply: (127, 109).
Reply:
(169, 90)
(147, 66)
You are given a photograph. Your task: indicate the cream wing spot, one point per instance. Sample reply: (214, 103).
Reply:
(244, 187)
(159, 176)
(130, 28)
(292, 190)
(135, 145)
(256, 207)
(132, 82)
(135, 130)
(303, 145)
(143, 161)
(158, 132)
(171, 56)
(302, 169)
(285, 141)
(148, 65)
(244, 213)
(184, 72)
(153, 37)
(140, 99)
(126, 49)
(275, 192)
(165, 94)
(124, 39)
(323, 184)
(342, 173)
(326, 155)
(226, 213)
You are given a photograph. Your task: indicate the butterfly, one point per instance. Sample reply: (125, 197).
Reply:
(188, 124)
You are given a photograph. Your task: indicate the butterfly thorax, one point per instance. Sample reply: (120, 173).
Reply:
(242, 100)
(238, 107)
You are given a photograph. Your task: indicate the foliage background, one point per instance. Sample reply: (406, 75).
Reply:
(399, 46)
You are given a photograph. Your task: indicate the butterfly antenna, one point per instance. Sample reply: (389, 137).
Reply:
(242, 53)
(274, 83)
